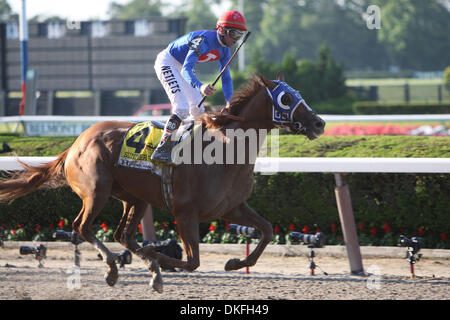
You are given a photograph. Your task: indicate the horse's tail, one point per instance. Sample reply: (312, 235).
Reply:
(47, 176)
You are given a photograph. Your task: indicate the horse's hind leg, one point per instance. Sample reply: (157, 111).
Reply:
(92, 182)
(244, 215)
(90, 210)
(88, 172)
(133, 212)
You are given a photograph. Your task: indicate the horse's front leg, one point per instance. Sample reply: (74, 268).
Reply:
(126, 235)
(112, 274)
(157, 282)
(246, 216)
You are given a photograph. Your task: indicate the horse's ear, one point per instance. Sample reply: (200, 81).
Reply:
(260, 80)
(280, 76)
(265, 82)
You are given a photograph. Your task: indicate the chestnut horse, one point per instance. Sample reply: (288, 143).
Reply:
(201, 192)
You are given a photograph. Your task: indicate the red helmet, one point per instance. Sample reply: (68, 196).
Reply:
(231, 19)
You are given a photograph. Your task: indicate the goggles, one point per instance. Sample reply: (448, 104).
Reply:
(234, 33)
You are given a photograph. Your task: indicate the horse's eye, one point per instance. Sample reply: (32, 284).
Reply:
(286, 99)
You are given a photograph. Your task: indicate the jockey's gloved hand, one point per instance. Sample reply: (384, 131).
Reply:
(207, 89)
(195, 111)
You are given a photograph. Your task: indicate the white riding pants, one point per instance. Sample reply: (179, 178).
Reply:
(183, 97)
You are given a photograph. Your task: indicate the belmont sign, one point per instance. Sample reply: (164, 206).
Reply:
(54, 128)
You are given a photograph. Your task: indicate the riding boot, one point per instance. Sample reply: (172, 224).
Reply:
(163, 153)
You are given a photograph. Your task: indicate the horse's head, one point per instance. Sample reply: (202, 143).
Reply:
(290, 110)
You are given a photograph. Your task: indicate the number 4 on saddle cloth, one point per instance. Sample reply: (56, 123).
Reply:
(139, 143)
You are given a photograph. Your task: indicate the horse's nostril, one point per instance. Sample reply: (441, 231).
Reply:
(319, 124)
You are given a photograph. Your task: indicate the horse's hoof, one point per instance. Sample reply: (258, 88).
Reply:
(232, 265)
(111, 277)
(157, 284)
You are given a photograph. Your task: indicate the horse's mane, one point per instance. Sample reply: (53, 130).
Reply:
(216, 120)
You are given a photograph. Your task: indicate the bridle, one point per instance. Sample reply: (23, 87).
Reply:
(285, 100)
(282, 111)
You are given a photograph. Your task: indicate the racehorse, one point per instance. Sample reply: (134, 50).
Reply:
(200, 192)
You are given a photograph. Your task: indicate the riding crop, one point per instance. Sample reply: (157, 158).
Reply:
(226, 66)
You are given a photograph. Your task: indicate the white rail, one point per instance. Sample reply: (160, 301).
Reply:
(331, 165)
(342, 165)
(11, 163)
(331, 118)
(89, 119)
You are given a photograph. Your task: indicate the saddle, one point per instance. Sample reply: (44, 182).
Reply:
(140, 142)
(137, 148)
(158, 124)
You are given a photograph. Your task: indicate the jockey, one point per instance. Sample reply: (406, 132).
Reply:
(175, 65)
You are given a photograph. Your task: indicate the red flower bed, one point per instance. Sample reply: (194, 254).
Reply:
(217, 232)
(386, 129)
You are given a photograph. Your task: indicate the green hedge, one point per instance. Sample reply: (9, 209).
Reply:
(342, 105)
(370, 107)
(406, 202)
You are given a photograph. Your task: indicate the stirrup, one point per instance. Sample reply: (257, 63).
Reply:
(163, 153)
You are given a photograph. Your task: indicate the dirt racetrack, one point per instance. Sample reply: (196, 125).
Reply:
(273, 277)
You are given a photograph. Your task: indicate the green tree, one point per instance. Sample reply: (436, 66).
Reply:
(280, 30)
(447, 78)
(6, 12)
(308, 80)
(253, 12)
(289, 67)
(332, 81)
(135, 9)
(200, 15)
(415, 33)
(342, 27)
(300, 27)
(259, 66)
(318, 80)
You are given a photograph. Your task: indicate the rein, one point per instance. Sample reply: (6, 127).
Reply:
(226, 112)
